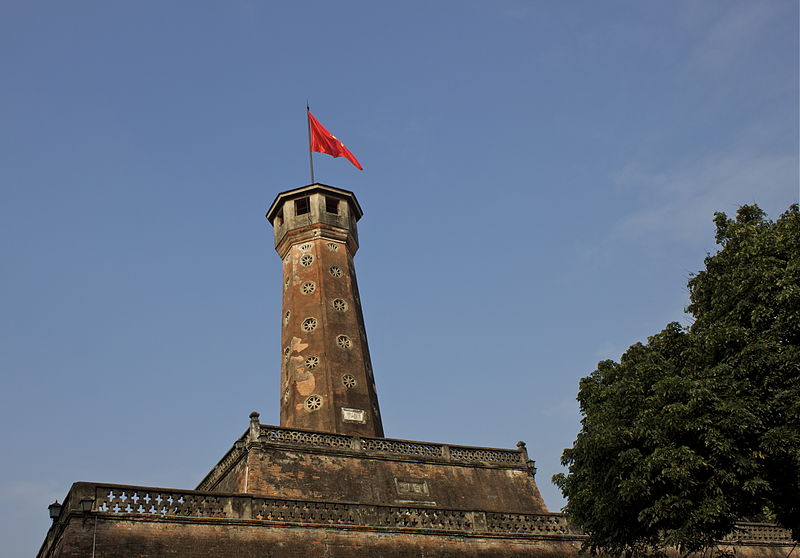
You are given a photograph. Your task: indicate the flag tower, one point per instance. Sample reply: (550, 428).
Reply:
(327, 382)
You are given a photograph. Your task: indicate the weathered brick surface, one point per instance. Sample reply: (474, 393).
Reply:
(234, 480)
(350, 478)
(135, 521)
(148, 538)
(321, 315)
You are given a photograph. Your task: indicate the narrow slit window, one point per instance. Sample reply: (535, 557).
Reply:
(301, 206)
(331, 205)
(279, 218)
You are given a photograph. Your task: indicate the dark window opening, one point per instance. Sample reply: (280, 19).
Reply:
(279, 218)
(331, 205)
(301, 206)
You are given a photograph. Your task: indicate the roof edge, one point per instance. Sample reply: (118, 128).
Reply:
(310, 188)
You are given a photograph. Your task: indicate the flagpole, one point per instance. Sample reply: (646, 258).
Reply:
(310, 158)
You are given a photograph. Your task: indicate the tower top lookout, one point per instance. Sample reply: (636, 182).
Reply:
(326, 208)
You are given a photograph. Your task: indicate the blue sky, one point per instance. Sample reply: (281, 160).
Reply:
(539, 183)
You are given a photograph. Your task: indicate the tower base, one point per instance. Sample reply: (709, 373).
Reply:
(271, 461)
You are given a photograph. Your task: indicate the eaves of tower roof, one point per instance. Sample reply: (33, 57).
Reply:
(310, 189)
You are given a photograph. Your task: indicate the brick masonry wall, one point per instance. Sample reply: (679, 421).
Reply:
(234, 480)
(149, 538)
(134, 521)
(371, 480)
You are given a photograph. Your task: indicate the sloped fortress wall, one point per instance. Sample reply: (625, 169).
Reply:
(291, 463)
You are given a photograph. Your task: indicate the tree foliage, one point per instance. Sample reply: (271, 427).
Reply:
(700, 427)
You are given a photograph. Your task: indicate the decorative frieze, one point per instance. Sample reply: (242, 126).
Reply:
(304, 438)
(484, 455)
(529, 524)
(144, 501)
(757, 532)
(385, 445)
(377, 446)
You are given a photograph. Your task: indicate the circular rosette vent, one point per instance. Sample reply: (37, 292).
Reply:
(312, 362)
(313, 402)
(308, 287)
(344, 342)
(349, 381)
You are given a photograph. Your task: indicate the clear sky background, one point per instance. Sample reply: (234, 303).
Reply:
(539, 183)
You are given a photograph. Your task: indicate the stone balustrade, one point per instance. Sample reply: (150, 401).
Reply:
(144, 502)
(465, 454)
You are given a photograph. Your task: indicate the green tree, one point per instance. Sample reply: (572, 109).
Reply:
(700, 427)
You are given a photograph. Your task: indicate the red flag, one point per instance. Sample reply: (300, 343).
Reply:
(322, 141)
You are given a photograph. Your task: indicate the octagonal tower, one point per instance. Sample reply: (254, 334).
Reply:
(326, 374)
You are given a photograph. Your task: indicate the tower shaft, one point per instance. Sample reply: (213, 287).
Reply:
(327, 382)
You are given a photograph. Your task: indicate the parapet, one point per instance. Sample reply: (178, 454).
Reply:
(137, 521)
